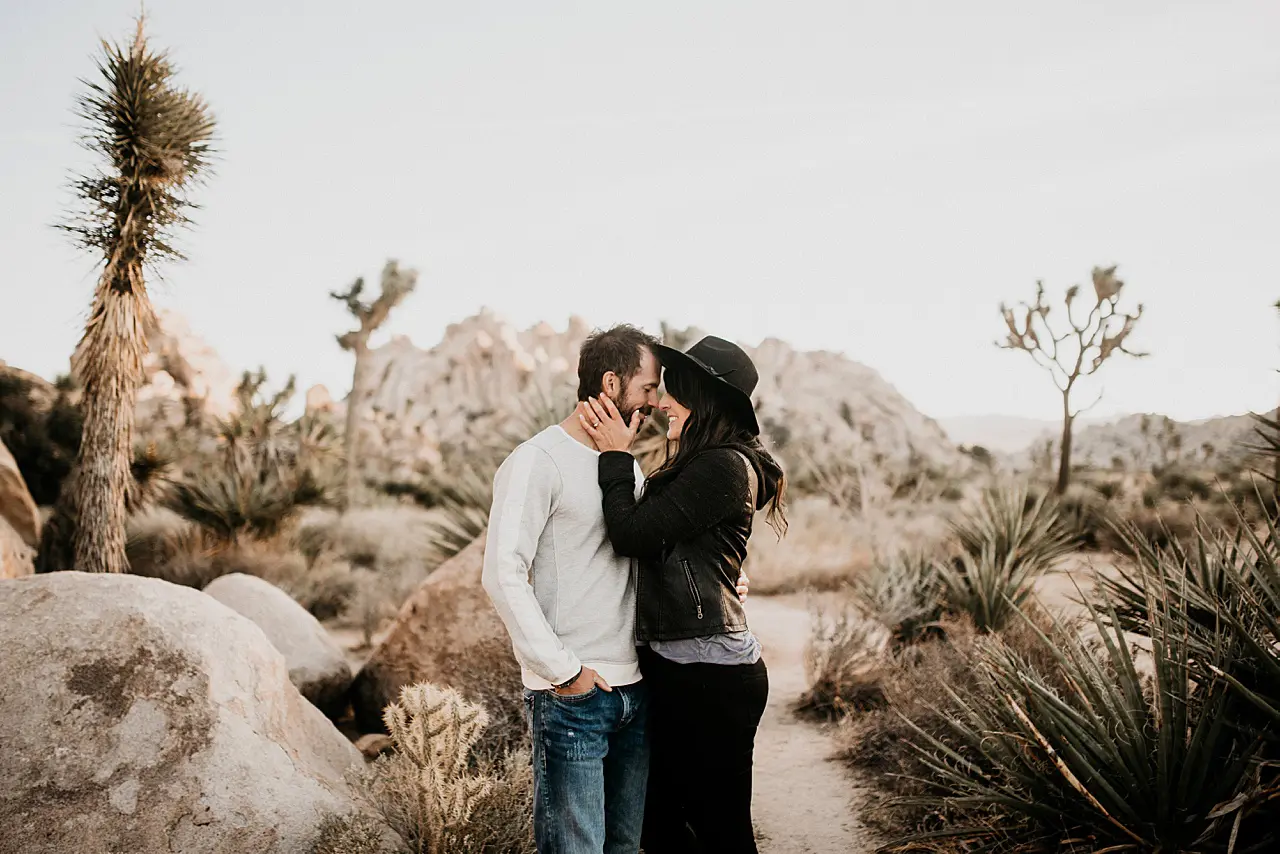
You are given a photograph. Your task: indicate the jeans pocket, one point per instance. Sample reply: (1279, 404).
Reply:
(575, 698)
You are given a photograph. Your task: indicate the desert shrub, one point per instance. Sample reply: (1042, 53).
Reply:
(1007, 541)
(843, 661)
(432, 792)
(502, 821)
(1165, 526)
(265, 469)
(160, 544)
(1088, 515)
(903, 593)
(1109, 489)
(326, 589)
(1175, 484)
(353, 833)
(1015, 527)
(461, 497)
(387, 538)
(1098, 758)
(989, 589)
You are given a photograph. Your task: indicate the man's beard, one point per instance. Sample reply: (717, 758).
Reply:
(627, 411)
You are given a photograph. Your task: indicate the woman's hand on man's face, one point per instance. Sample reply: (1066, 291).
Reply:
(605, 426)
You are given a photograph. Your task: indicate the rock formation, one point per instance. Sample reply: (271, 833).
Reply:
(447, 633)
(813, 405)
(143, 716)
(19, 520)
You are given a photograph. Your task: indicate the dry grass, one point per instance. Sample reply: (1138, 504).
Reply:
(844, 663)
(825, 548)
(354, 833)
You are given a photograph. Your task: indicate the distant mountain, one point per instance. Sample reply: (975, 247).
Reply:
(1007, 434)
(1141, 441)
(1137, 440)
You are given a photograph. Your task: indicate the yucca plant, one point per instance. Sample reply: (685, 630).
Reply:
(1254, 626)
(1006, 542)
(154, 141)
(1106, 763)
(1205, 579)
(1015, 528)
(232, 501)
(265, 469)
(904, 593)
(463, 501)
(989, 589)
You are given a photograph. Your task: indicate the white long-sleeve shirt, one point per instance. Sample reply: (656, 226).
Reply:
(566, 598)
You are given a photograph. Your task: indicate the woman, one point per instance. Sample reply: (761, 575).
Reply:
(689, 529)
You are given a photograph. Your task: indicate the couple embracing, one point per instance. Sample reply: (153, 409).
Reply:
(644, 685)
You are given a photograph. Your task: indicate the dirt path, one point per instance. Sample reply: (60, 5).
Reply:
(804, 803)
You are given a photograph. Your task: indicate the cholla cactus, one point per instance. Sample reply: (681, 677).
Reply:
(434, 730)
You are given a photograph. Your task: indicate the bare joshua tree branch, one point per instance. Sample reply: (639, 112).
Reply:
(1077, 348)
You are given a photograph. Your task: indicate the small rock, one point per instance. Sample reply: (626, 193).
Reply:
(374, 744)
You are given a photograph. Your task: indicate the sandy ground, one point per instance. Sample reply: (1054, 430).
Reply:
(804, 802)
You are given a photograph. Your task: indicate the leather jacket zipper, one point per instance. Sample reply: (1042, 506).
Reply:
(693, 588)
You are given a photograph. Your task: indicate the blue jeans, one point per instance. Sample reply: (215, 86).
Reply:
(591, 766)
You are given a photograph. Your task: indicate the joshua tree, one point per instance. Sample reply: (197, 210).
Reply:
(154, 140)
(396, 285)
(1076, 351)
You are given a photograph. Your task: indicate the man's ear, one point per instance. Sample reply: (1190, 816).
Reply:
(610, 384)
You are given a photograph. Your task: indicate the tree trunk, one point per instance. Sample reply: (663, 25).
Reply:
(352, 439)
(1064, 461)
(92, 507)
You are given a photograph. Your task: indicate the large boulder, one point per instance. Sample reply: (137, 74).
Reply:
(317, 666)
(143, 716)
(447, 633)
(16, 505)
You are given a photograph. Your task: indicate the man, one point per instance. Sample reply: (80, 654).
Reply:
(568, 603)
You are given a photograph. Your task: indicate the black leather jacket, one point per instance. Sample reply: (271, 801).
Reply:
(690, 539)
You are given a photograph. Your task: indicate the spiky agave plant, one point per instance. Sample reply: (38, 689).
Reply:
(1014, 527)
(1205, 579)
(1253, 623)
(1006, 542)
(990, 588)
(904, 593)
(1106, 764)
(155, 140)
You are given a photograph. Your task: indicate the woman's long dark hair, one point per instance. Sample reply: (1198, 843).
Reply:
(713, 422)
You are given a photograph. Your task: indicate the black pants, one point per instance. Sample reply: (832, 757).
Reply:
(702, 725)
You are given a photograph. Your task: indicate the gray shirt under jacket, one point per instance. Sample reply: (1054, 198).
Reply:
(730, 648)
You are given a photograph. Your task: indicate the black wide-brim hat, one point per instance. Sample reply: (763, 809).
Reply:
(727, 365)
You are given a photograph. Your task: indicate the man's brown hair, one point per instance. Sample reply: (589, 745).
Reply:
(618, 349)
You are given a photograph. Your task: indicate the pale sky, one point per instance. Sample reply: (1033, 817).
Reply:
(868, 177)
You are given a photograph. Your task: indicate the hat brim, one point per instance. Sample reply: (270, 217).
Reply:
(746, 409)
